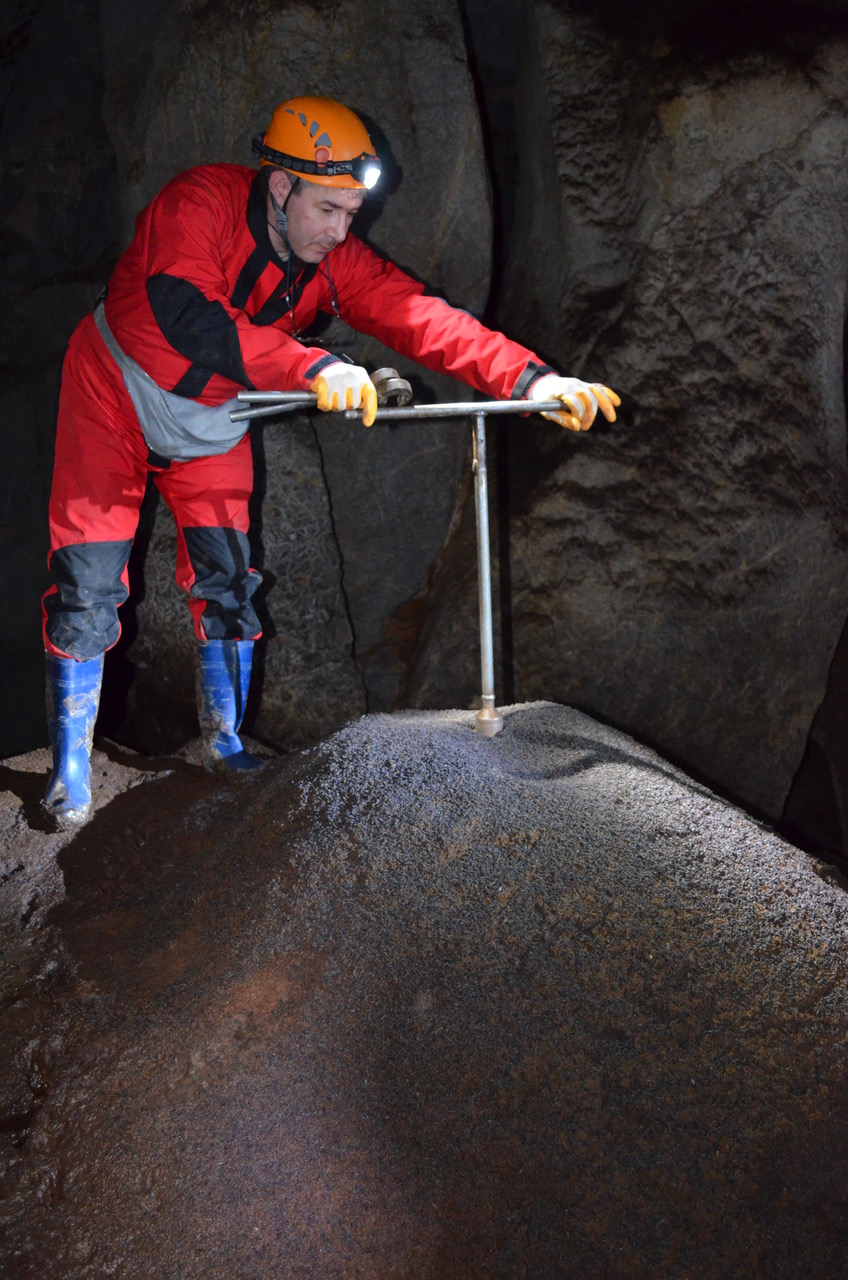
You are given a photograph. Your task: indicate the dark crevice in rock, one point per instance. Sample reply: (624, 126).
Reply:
(340, 549)
(492, 34)
(411, 627)
(815, 815)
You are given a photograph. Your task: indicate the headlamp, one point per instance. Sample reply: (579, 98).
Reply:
(364, 168)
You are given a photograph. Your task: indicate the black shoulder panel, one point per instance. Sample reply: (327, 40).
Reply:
(201, 330)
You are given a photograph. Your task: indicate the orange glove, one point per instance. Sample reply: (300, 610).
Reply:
(346, 386)
(581, 400)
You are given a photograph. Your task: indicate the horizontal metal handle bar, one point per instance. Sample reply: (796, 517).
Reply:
(272, 403)
(464, 410)
(283, 397)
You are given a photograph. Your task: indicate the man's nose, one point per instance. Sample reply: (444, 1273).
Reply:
(340, 225)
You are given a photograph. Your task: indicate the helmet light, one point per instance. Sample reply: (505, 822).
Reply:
(364, 168)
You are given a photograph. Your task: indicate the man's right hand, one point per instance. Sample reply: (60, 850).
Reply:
(346, 386)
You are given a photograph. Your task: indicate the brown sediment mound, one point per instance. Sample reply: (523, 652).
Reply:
(417, 1003)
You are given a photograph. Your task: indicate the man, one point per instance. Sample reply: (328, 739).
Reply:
(227, 268)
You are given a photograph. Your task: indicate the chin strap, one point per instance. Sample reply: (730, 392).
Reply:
(279, 214)
(280, 218)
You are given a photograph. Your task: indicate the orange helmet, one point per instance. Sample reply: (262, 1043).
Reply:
(320, 140)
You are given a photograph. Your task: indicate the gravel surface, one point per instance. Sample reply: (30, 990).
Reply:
(420, 1004)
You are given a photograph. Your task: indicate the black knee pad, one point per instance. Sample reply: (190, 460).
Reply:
(82, 613)
(223, 578)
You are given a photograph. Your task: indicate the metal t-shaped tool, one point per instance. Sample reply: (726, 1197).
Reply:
(263, 404)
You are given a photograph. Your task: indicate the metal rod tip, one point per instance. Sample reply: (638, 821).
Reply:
(488, 721)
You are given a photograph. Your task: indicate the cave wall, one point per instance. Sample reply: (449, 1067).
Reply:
(58, 240)
(680, 232)
(699, 553)
(671, 195)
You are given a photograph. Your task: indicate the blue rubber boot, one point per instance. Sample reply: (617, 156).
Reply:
(223, 679)
(73, 696)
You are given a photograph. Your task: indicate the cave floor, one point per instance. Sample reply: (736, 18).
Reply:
(246, 1037)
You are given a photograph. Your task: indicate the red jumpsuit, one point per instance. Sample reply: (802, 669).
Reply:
(203, 304)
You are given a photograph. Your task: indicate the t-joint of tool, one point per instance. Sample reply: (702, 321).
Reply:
(392, 390)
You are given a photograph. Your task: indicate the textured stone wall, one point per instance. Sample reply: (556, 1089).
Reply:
(681, 233)
(58, 238)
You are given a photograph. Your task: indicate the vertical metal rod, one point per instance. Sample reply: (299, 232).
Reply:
(488, 720)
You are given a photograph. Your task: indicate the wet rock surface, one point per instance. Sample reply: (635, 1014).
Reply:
(681, 234)
(416, 1002)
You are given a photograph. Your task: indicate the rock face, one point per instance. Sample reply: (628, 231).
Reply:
(681, 234)
(58, 238)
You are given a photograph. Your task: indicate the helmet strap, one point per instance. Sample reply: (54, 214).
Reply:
(280, 217)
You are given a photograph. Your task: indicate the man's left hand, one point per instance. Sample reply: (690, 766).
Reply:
(346, 386)
(581, 400)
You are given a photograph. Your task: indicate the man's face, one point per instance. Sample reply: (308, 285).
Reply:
(319, 218)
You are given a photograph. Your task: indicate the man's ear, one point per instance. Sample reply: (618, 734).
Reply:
(279, 184)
